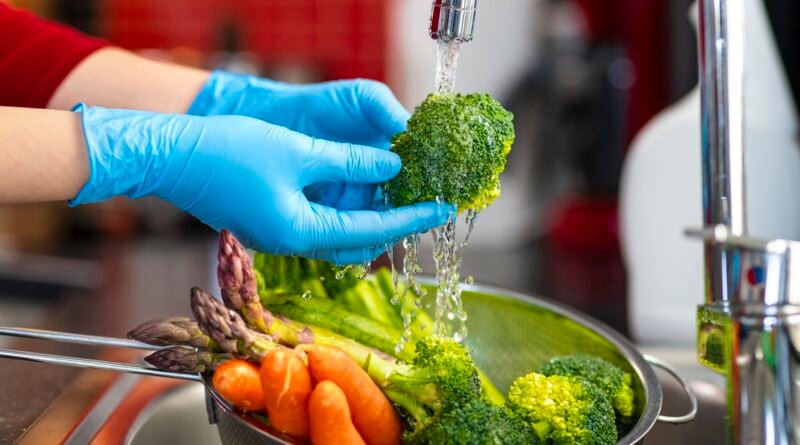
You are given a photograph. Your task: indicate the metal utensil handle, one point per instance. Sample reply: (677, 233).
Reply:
(675, 420)
(81, 339)
(94, 340)
(94, 364)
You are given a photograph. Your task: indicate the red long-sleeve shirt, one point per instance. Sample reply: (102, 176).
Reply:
(35, 57)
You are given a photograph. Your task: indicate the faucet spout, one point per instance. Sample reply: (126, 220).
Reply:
(453, 20)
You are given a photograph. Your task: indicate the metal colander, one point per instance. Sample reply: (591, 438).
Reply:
(510, 335)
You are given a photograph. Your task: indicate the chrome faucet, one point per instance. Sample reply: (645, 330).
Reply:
(749, 326)
(453, 20)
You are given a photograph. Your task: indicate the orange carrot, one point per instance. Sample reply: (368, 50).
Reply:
(287, 386)
(239, 382)
(331, 423)
(373, 414)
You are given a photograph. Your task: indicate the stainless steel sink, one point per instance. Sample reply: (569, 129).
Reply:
(179, 418)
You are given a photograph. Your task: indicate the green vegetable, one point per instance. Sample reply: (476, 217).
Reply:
(477, 423)
(614, 382)
(279, 275)
(360, 309)
(455, 147)
(441, 378)
(325, 313)
(563, 409)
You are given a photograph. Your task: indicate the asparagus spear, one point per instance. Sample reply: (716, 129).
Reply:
(228, 329)
(181, 359)
(326, 313)
(238, 282)
(240, 294)
(174, 331)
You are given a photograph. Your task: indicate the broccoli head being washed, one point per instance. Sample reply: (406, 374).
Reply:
(455, 147)
(614, 382)
(563, 410)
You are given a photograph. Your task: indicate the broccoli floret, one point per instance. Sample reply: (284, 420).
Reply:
(614, 382)
(477, 423)
(563, 409)
(442, 377)
(455, 147)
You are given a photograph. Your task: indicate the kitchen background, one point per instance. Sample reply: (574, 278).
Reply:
(583, 78)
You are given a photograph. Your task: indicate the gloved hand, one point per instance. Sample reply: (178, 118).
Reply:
(358, 111)
(248, 176)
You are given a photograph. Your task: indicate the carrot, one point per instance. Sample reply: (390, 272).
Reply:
(287, 386)
(239, 382)
(330, 417)
(373, 414)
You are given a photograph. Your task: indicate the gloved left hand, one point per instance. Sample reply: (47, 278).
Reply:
(358, 111)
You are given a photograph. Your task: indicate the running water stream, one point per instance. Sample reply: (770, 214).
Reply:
(449, 315)
(446, 66)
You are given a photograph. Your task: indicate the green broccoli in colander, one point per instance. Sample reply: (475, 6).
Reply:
(614, 382)
(563, 409)
(455, 147)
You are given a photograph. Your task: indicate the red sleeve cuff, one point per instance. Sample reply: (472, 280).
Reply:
(35, 57)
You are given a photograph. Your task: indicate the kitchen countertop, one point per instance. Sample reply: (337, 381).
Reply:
(139, 281)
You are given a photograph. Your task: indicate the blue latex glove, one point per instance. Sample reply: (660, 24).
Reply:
(248, 176)
(358, 111)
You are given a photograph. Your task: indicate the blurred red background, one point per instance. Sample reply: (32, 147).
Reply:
(341, 38)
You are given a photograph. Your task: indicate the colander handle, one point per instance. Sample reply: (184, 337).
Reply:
(675, 420)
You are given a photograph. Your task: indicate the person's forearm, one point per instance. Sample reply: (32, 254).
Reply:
(42, 155)
(116, 78)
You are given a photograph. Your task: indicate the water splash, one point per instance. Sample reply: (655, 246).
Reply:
(472, 215)
(360, 270)
(448, 291)
(411, 268)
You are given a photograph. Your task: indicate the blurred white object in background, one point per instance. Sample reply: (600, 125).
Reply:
(661, 190)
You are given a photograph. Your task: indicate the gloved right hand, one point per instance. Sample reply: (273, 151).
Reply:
(248, 176)
(357, 111)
